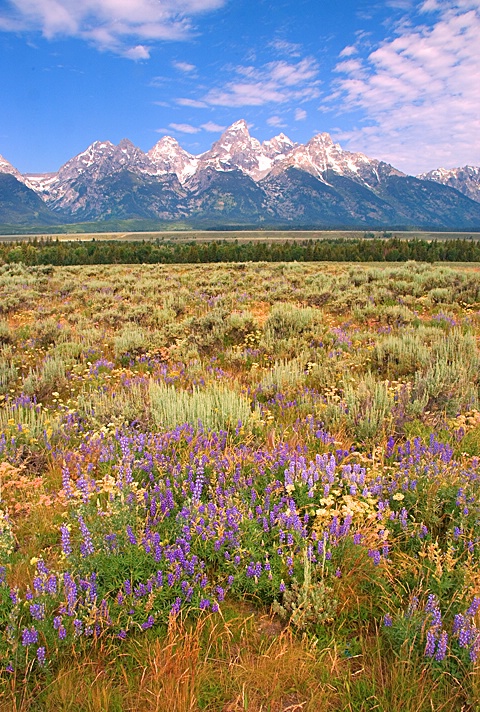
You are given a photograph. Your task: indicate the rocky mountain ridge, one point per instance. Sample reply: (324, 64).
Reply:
(240, 180)
(465, 179)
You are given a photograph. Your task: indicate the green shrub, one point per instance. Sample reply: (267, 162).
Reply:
(214, 407)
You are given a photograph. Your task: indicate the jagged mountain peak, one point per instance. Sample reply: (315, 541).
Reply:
(323, 139)
(167, 156)
(167, 145)
(236, 149)
(239, 126)
(6, 167)
(279, 144)
(165, 141)
(127, 145)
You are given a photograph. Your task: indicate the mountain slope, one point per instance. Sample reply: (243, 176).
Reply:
(19, 205)
(430, 205)
(226, 196)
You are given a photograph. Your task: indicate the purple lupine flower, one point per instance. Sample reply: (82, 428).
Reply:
(131, 536)
(436, 618)
(442, 646)
(41, 655)
(37, 611)
(51, 584)
(71, 590)
(431, 642)
(66, 483)
(474, 606)
(390, 446)
(431, 604)
(458, 622)
(29, 636)
(92, 587)
(148, 623)
(66, 545)
(86, 547)
(175, 609)
(465, 637)
(387, 620)
(475, 649)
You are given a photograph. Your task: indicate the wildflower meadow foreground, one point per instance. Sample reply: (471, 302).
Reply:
(240, 487)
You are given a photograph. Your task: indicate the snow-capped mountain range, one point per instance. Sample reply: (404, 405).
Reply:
(241, 179)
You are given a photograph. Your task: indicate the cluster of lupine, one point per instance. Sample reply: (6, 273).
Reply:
(173, 522)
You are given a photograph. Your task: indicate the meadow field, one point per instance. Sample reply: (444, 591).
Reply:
(81, 233)
(238, 487)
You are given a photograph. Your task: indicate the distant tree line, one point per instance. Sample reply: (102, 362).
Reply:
(54, 252)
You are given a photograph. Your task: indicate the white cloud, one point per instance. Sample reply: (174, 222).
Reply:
(276, 82)
(212, 127)
(276, 121)
(300, 114)
(138, 52)
(184, 128)
(194, 103)
(348, 51)
(121, 26)
(184, 67)
(419, 92)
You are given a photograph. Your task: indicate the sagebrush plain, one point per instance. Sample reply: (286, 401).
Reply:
(240, 487)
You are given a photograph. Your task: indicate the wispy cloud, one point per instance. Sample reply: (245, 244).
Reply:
(212, 127)
(420, 91)
(276, 121)
(300, 114)
(184, 128)
(209, 126)
(184, 67)
(283, 47)
(275, 82)
(127, 27)
(194, 103)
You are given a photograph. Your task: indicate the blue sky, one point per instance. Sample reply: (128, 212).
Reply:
(398, 80)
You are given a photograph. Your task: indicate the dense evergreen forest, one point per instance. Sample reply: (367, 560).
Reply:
(43, 252)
